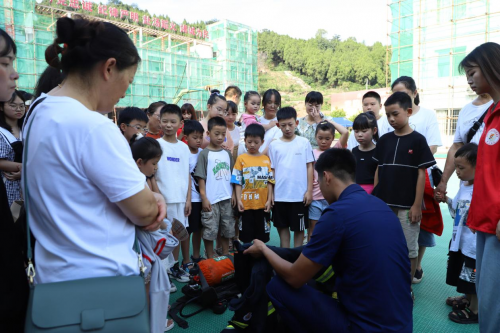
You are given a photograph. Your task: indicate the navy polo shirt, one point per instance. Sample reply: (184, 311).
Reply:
(362, 239)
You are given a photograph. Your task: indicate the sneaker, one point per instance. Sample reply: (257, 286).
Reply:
(187, 266)
(173, 287)
(178, 273)
(197, 260)
(419, 275)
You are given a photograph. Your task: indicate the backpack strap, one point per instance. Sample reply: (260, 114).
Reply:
(477, 124)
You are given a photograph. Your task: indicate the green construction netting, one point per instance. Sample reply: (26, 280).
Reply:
(162, 74)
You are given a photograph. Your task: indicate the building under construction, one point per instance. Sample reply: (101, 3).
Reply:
(429, 38)
(173, 68)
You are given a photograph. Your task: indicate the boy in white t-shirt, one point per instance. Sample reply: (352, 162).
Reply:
(193, 135)
(292, 163)
(213, 172)
(461, 271)
(230, 118)
(174, 180)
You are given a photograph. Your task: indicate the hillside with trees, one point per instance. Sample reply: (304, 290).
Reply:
(331, 63)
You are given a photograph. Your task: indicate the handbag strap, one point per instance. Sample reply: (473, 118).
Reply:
(31, 268)
(477, 124)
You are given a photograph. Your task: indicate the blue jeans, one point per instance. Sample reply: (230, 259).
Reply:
(306, 309)
(487, 275)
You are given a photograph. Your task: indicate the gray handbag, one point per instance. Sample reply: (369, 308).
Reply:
(106, 304)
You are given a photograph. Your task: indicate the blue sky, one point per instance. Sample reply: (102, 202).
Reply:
(364, 19)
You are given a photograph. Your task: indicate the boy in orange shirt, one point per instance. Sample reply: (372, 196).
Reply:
(252, 178)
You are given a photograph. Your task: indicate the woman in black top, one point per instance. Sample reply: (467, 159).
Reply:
(366, 132)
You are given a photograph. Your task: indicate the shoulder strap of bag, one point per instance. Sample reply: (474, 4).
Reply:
(31, 269)
(477, 124)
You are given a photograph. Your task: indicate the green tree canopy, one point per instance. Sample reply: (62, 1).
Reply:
(326, 61)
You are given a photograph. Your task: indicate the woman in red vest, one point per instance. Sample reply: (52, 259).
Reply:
(482, 67)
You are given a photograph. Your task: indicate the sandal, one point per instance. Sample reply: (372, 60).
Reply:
(465, 316)
(457, 300)
(169, 324)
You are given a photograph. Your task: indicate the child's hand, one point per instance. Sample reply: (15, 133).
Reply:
(233, 200)
(187, 209)
(269, 205)
(241, 208)
(273, 123)
(498, 230)
(205, 205)
(307, 198)
(415, 214)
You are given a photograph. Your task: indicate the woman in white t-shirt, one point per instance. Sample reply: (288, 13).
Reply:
(86, 193)
(424, 121)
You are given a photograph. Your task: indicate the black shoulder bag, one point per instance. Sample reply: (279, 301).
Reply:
(475, 127)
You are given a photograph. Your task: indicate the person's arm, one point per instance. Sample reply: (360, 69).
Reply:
(375, 180)
(269, 202)
(344, 133)
(310, 176)
(205, 204)
(154, 185)
(449, 169)
(434, 149)
(415, 214)
(269, 126)
(295, 274)
(237, 190)
(144, 209)
(187, 209)
(8, 166)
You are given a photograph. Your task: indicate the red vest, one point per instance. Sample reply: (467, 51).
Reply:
(484, 212)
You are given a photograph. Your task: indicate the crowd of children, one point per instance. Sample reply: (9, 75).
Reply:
(222, 185)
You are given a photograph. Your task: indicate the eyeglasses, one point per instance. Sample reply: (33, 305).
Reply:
(137, 127)
(20, 107)
(221, 110)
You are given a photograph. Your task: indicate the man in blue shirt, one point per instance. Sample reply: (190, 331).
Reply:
(362, 239)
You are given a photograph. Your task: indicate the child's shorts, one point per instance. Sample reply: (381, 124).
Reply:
(316, 209)
(461, 272)
(426, 239)
(176, 210)
(195, 218)
(410, 230)
(255, 224)
(220, 218)
(293, 215)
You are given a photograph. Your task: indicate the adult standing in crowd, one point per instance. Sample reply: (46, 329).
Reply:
(154, 126)
(307, 125)
(465, 133)
(481, 67)
(103, 191)
(424, 121)
(13, 285)
(11, 120)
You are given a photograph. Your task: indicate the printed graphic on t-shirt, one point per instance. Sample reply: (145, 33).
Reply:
(222, 170)
(492, 137)
(460, 218)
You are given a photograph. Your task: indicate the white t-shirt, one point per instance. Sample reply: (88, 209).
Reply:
(462, 238)
(466, 119)
(272, 134)
(215, 166)
(173, 173)
(195, 190)
(78, 167)
(382, 125)
(289, 161)
(235, 135)
(425, 122)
